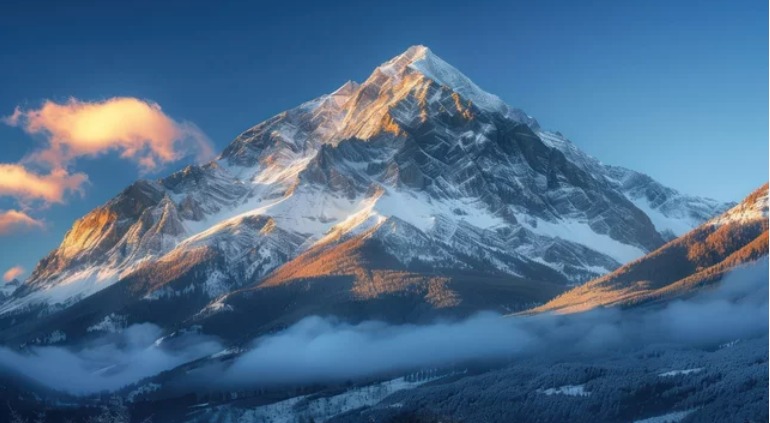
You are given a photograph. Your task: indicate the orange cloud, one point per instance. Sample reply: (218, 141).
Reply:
(13, 220)
(13, 273)
(138, 129)
(17, 181)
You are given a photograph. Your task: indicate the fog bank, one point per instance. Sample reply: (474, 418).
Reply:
(323, 349)
(320, 349)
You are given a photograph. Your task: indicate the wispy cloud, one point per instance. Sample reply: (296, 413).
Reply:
(13, 273)
(137, 129)
(18, 182)
(14, 220)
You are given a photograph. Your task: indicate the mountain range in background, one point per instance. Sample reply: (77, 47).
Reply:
(681, 267)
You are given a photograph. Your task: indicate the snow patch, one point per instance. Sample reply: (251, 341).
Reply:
(216, 306)
(142, 390)
(111, 323)
(167, 292)
(745, 212)
(216, 284)
(74, 286)
(52, 338)
(681, 372)
(321, 409)
(569, 390)
(729, 344)
(676, 225)
(672, 417)
(581, 233)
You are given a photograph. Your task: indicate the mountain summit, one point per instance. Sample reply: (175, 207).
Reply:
(419, 59)
(412, 193)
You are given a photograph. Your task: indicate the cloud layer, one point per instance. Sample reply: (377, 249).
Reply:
(326, 350)
(320, 350)
(13, 273)
(138, 129)
(14, 220)
(18, 182)
(110, 362)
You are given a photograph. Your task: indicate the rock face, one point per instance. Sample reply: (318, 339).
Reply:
(682, 266)
(416, 175)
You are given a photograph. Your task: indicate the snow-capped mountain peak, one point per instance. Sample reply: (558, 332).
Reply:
(445, 74)
(422, 61)
(418, 159)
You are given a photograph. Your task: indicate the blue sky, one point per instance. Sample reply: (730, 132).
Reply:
(677, 90)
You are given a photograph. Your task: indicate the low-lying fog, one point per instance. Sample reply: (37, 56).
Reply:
(320, 349)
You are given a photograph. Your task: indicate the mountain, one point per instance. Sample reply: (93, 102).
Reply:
(8, 288)
(412, 193)
(681, 267)
(672, 212)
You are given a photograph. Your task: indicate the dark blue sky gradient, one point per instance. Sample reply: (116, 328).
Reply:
(676, 89)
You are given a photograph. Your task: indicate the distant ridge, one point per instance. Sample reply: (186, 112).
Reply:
(682, 266)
